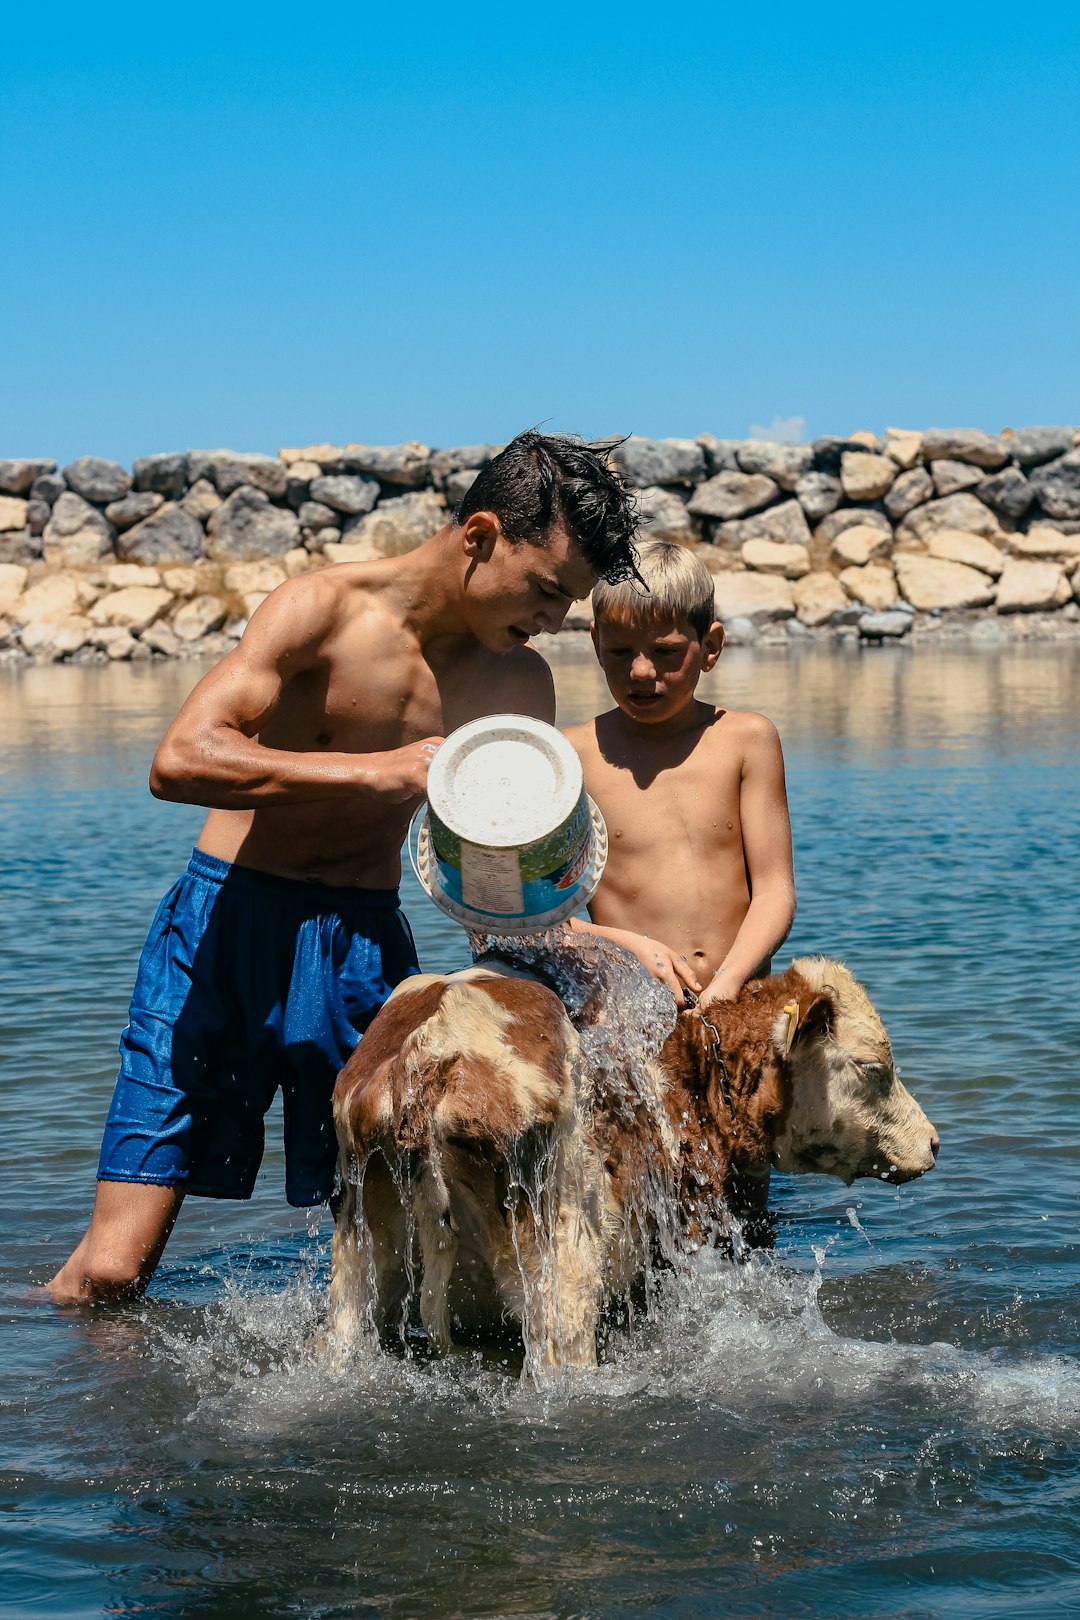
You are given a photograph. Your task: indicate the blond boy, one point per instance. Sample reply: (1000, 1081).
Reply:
(699, 882)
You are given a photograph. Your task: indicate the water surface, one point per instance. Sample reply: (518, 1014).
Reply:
(881, 1418)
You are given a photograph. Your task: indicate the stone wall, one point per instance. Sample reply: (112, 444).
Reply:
(874, 537)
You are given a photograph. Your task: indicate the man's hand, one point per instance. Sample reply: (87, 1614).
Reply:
(403, 772)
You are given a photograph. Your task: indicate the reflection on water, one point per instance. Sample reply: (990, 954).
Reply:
(881, 1418)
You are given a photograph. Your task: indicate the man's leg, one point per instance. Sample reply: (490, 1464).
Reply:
(127, 1234)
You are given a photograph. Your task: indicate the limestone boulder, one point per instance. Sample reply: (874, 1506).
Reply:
(20, 546)
(831, 527)
(820, 599)
(182, 580)
(1032, 446)
(323, 455)
(201, 500)
(773, 557)
(861, 544)
(260, 577)
(458, 485)
(884, 626)
(903, 446)
(37, 515)
(132, 608)
(829, 450)
(761, 598)
(119, 576)
(345, 493)
(644, 462)
(351, 551)
(963, 511)
(199, 617)
(785, 523)
(406, 465)
(1007, 492)
(911, 489)
(115, 641)
(874, 586)
(1057, 486)
(314, 515)
(930, 583)
(247, 526)
(457, 459)
(76, 535)
(13, 577)
(17, 476)
(161, 638)
(231, 470)
(47, 640)
(719, 453)
(164, 474)
(866, 476)
(1032, 587)
(96, 479)
(949, 476)
(965, 444)
(133, 508)
(730, 495)
(785, 464)
(953, 545)
(819, 493)
(1043, 542)
(664, 515)
(13, 511)
(171, 534)
(399, 524)
(49, 600)
(47, 487)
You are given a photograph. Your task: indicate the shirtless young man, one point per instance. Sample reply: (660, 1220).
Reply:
(698, 882)
(310, 745)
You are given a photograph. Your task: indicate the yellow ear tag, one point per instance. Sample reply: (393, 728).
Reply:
(792, 1010)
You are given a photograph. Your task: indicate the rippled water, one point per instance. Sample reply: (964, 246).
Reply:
(881, 1418)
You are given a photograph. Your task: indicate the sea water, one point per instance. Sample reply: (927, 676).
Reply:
(882, 1417)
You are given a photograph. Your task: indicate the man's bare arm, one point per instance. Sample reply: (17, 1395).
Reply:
(766, 833)
(211, 755)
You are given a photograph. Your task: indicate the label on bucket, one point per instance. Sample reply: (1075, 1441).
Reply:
(491, 880)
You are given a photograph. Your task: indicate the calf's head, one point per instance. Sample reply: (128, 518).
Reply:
(848, 1115)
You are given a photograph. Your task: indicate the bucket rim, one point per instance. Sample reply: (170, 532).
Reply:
(551, 740)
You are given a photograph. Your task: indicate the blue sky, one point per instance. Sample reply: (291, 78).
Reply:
(258, 226)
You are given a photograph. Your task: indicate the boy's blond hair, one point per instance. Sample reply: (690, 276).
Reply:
(680, 587)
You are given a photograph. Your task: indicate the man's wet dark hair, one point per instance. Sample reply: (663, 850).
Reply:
(544, 479)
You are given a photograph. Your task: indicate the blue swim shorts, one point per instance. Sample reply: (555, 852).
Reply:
(247, 982)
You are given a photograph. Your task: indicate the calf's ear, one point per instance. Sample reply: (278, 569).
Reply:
(810, 1019)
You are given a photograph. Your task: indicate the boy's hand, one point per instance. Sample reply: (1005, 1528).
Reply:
(659, 960)
(721, 987)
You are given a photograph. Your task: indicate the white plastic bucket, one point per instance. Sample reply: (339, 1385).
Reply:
(511, 843)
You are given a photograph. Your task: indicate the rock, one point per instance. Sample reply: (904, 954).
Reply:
(954, 545)
(663, 514)
(1042, 541)
(965, 444)
(773, 557)
(884, 626)
(740, 632)
(784, 523)
(931, 582)
(828, 451)
(314, 515)
(458, 485)
(323, 455)
(819, 598)
(1032, 587)
(13, 512)
(298, 480)
(199, 617)
(201, 500)
(399, 525)
(719, 453)
(56, 638)
(903, 446)
(949, 476)
(732, 495)
(866, 476)
(116, 641)
(357, 551)
(76, 534)
(1057, 485)
(17, 476)
(247, 526)
(344, 493)
(49, 600)
(910, 490)
(865, 440)
(170, 535)
(785, 464)
(316, 539)
(819, 493)
(874, 586)
(120, 575)
(37, 515)
(47, 487)
(164, 474)
(848, 518)
(1008, 492)
(20, 546)
(761, 598)
(254, 577)
(643, 462)
(97, 480)
(459, 459)
(1030, 446)
(402, 464)
(296, 562)
(161, 638)
(132, 508)
(182, 581)
(13, 577)
(133, 608)
(962, 511)
(860, 544)
(231, 470)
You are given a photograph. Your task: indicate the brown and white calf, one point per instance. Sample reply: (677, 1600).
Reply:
(491, 1177)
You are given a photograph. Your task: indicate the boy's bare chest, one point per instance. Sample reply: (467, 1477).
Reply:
(695, 802)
